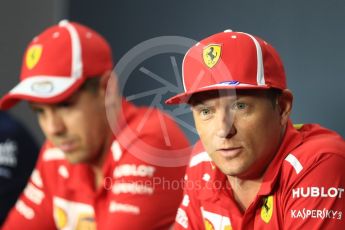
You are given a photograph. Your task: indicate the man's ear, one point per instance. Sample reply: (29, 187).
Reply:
(112, 98)
(285, 105)
(108, 83)
(105, 79)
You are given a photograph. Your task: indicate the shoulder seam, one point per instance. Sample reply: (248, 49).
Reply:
(295, 163)
(53, 154)
(199, 158)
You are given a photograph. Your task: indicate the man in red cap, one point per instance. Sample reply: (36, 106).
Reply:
(104, 160)
(253, 169)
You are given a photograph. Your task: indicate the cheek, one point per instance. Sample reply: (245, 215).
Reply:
(94, 127)
(77, 124)
(261, 132)
(88, 133)
(206, 136)
(43, 127)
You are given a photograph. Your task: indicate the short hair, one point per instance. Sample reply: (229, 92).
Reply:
(91, 84)
(273, 94)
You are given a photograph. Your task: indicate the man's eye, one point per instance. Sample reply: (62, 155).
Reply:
(38, 111)
(239, 106)
(65, 104)
(205, 113)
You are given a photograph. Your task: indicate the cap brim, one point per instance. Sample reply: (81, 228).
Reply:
(42, 90)
(184, 97)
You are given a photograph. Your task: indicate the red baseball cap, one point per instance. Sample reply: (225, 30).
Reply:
(230, 60)
(57, 62)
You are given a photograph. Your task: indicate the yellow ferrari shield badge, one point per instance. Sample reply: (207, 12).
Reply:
(267, 209)
(211, 54)
(208, 225)
(33, 55)
(60, 217)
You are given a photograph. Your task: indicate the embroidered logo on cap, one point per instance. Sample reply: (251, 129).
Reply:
(267, 209)
(33, 55)
(230, 83)
(211, 54)
(43, 87)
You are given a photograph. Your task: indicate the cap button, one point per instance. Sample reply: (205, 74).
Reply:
(63, 22)
(227, 31)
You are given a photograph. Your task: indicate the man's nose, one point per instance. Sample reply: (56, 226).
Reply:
(225, 125)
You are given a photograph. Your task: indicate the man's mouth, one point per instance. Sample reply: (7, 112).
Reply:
(230, 152)
(67, 146)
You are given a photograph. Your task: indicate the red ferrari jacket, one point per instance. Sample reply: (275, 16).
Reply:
(303, 188)
(135, 193)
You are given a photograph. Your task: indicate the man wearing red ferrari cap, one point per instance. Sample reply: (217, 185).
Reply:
(253, 169)
(92, 171)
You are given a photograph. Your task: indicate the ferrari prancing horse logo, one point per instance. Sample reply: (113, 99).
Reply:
(267, 209)
(211, 54)
(33, 55)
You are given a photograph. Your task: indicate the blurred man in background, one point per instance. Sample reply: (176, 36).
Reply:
(91, 173)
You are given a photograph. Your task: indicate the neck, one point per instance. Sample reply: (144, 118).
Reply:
(98, 163)
(244, 190)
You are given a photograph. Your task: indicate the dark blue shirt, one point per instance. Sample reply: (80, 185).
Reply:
(18, 154)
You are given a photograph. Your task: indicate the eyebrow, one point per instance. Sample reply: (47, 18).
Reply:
(33, 105)
(201, 100)
(199, 105)
(72, 98)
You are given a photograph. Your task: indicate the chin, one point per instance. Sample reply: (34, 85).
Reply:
(231, 173)
(228, 171)
(74, 159)
(232, 170)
